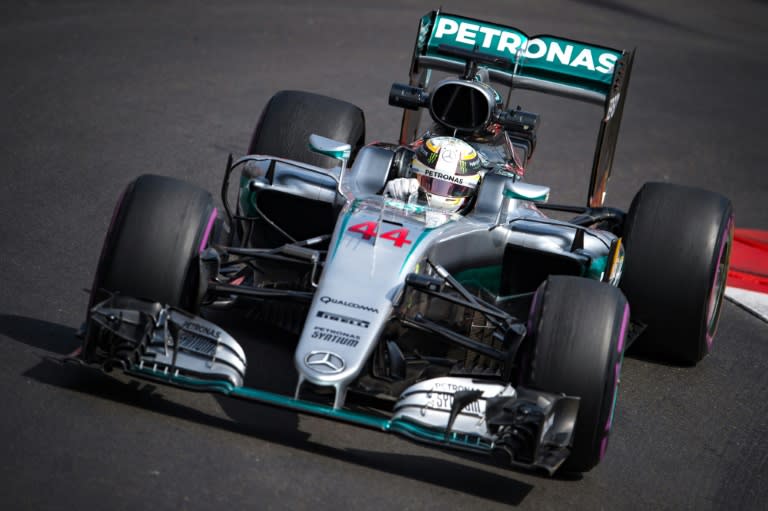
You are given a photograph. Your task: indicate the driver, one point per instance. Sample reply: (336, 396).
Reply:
(447, 172)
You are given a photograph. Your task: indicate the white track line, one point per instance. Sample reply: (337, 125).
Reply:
(752, 301)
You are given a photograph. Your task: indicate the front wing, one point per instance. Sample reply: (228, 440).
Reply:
(523, 427)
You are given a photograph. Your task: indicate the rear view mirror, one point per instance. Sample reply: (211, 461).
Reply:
(331, 148)
(526, 191)
(334, 149)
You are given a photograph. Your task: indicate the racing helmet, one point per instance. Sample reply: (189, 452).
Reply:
(447, 170)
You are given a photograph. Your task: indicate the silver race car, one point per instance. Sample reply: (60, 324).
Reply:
(490, 327)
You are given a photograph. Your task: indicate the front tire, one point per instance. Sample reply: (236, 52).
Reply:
(158, 229)
(578, 327)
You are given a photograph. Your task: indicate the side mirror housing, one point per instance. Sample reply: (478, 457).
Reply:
(526, 191)
(517, 190)
(332, 148)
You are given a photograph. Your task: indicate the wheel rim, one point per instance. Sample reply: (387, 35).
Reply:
(717, 290)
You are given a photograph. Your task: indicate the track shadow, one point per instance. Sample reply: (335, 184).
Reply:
(269, 424)
(40, 334)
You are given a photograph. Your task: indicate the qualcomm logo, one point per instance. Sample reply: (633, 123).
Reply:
(352, 305)
(324, 362)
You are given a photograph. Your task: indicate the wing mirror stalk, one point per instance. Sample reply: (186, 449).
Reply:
(333, 149)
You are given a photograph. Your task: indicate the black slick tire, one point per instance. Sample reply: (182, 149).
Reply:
(677, 243)
(157, 231)
(578, 327)
(291, 117)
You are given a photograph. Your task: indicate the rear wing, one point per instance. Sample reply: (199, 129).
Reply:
(544, 63)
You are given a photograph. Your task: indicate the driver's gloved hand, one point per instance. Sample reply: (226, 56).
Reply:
(401, 188)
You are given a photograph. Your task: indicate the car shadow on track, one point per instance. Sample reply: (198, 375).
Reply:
(44, 335)
(249, 419)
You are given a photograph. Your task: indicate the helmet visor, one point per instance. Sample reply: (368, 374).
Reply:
(444, 188)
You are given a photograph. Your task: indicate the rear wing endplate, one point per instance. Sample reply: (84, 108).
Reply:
(544, 63)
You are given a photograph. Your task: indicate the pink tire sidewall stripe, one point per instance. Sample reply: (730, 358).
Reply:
(208, 229)
(623, 330)
(115, 214)
(616, 376)
(710, 336)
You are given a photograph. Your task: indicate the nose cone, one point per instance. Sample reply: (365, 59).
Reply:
(324, 362)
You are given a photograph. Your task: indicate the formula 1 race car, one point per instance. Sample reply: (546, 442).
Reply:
(492, 328)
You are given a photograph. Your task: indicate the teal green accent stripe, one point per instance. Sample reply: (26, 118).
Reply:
(534, 198)
(343, 229)
(597, 268)
(269, 398)
(616, 391)
(486, 277)
(401, 426)
(437, 436)
(247, 197)
(312, 408)
(423, 235)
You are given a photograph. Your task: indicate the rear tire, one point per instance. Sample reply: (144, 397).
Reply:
(578, 327)
(291, 117)
(158, 229)
(677, 248)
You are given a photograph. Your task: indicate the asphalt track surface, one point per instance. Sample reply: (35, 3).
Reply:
(93, 93)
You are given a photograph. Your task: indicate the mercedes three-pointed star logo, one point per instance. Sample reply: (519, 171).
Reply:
(324, 362)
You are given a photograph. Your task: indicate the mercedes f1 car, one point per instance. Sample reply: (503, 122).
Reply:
(497, 329)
